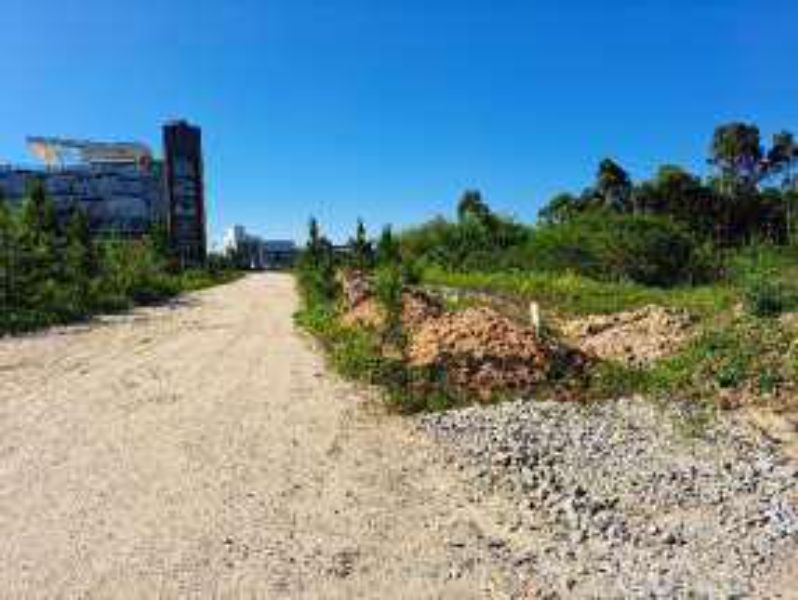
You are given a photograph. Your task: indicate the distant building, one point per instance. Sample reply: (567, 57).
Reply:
(122, 188)
(185, 189)
(253, 252)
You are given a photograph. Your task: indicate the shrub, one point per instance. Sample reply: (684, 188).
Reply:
(368, 354)
(600, 244)
(388, 287)
(51, 274)
(760, 270)
(471, 244)
(765, 297)
(648, 250)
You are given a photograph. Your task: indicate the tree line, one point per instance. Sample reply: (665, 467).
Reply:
(751, 194)
(675, 228)
(52, 270)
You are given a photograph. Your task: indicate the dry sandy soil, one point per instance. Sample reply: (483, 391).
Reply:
(201, 450)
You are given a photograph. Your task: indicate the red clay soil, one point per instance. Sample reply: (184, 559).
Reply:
(417, 308)
(482, 351)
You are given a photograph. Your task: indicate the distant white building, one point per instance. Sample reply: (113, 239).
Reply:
(253, 252)
(233, 238)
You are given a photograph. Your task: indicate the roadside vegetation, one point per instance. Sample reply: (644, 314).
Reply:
(722, 248)
(372, 354)
(52, 271)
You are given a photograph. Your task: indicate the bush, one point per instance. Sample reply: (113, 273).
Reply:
(765, 297)
(471, 244)
(53, 271)
(388, 287)
(644, 249)
(760, 270)
(367, 354)
(600, 244)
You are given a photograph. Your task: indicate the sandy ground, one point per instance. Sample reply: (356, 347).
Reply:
(201, 450)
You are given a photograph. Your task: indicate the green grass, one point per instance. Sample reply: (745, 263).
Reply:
(758, 357)
(571, 294)
(358, 354)
(748, 357)
(751, 354)
(768, 279)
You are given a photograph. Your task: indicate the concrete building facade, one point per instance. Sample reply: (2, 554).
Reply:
(122, 188)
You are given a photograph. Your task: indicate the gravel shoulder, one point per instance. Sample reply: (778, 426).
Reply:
(627, 499)
(201, 450)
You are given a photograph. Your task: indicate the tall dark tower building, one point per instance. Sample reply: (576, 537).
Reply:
(185, 190)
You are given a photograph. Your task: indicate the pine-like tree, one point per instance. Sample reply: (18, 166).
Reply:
(162, 242)
(361, 248)
(80, 264)
(388, 248)
(8, 296)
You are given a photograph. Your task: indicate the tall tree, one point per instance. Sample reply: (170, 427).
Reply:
(791, 209)
(681, 195)
(737, 152)
(8, 298)
(781, 158)
(314, 246)
(472, 206)
(161, 241)
(80, 259)
(39, 263)
(560, 209)
(614, 186)
(388, 252)
(781, 162)
(360, 248)
(33, 211)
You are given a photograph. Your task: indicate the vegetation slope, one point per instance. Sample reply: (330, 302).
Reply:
(722, 248)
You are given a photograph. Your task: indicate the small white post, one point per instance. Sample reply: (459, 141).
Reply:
(534, 316)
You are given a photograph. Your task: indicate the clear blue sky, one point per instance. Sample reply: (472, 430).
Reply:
(389, 109)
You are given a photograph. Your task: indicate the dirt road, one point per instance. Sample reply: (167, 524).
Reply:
(201, 450)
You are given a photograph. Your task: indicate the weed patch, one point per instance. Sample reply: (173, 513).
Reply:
(571, 294)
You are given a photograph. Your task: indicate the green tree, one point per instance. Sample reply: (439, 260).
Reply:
(314, 248)
(472, 206)
(8, 295)
(162, 243)
(388, 250)
(388, 288)
(361, 249)
(783, 152)
(781, 160)
(560, 209)
(38, 264)
(736, 151)
(676, 193)
(614, 186)
(317, 267)
(791, 210)
(81, 264)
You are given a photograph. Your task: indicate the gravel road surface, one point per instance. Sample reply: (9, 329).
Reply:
(201, 450)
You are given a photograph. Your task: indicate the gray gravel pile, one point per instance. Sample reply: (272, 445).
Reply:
(620, 501)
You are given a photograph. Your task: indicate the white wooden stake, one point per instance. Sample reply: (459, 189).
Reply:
(534, 316)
